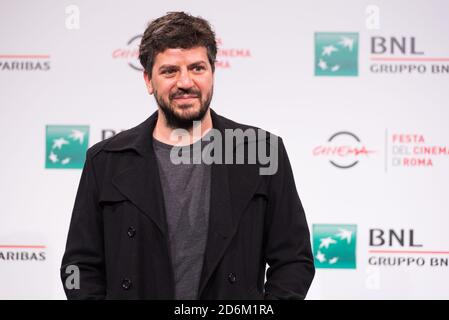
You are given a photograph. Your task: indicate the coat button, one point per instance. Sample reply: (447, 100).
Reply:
(131, 232)
(126, 284)
(232, 277)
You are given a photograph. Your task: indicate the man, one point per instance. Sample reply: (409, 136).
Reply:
(148, 226)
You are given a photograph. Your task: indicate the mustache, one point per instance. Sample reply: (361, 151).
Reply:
(183, 92)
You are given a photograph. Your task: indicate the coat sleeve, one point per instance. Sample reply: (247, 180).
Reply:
(287, 246)
(84, 249)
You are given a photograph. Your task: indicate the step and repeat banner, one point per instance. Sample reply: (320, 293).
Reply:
(358, 90)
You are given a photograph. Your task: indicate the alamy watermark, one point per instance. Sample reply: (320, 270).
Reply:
(259, 146)
(72, 282)
(72, 20)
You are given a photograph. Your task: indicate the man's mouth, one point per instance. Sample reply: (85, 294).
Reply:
(186, 97)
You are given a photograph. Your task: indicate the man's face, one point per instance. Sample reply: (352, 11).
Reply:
(182, 82)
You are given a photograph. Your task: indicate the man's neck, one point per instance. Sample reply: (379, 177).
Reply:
(165, 134)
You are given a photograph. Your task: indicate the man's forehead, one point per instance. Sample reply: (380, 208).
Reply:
(180, 55)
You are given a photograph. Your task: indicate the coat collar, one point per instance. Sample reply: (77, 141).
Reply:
(139, 138)
(232, 186)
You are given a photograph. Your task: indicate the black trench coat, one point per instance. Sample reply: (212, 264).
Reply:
(118, 235)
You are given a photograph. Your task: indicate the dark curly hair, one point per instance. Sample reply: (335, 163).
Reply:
(176, 30)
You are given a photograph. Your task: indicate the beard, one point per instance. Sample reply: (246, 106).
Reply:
(183, 120)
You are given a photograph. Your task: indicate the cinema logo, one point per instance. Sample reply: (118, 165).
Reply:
(129, 53)
(225, 56)
(401, 248)
(15, 253)
(413, 150)
(402, 55)
(24, 62)
(343, 149)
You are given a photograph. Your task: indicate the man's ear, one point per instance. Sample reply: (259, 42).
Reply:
(148, 83)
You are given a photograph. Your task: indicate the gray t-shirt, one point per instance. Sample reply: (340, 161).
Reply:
(186, 189)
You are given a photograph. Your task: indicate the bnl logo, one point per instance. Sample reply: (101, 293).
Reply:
(336, 54)
(334, 245)
(66, 146)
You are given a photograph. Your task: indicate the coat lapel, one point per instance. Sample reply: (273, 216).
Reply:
(141, 185)
(139, 181)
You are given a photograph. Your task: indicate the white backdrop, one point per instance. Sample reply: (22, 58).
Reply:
(67, 63)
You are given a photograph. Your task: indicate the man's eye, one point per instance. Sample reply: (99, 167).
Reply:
(199, 68)
(168, 71)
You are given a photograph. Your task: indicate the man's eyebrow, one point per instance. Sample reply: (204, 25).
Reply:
(166, 66)
(196, 63)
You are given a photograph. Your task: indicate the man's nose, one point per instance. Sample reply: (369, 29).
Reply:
(184, 80)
